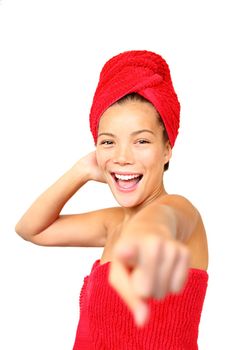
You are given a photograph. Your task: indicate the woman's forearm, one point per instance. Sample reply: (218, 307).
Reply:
(47, 207)
(157, 219)
(173, 217)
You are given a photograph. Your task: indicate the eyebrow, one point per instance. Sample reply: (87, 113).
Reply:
(133, 133)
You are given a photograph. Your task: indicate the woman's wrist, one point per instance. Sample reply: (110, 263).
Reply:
(80, 171)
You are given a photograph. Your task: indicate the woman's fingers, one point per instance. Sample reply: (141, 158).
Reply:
(151, 267)
(165, 270)
(145, 275)
(180, 272)
(120, 280)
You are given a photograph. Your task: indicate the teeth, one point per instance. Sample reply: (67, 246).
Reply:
(126, 177)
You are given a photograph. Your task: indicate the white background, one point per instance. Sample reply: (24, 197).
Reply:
(51, 53)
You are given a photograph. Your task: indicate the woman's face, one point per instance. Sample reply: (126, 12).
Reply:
(131, 152)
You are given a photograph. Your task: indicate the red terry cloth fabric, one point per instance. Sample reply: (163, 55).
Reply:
(143, 72)
(107, 324)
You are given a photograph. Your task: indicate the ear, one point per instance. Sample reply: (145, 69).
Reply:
(167, 152)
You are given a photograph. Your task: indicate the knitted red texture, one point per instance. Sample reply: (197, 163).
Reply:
(143, 72)
(107, 324)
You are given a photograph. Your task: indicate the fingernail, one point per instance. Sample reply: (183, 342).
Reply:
(140, 315)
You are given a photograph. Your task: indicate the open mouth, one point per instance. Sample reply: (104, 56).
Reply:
(126, 181)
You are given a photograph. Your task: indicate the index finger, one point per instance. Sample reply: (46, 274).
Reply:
(120, 280)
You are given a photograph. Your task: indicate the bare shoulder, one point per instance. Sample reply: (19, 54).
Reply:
(187, 214)
(177, 201)
(192, 222)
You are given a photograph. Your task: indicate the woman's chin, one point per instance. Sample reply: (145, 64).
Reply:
(126, 196)
(126, 201)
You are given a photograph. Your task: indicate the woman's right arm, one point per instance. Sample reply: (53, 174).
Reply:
(42, 223)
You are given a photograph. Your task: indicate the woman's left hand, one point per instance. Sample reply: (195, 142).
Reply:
(147, 266)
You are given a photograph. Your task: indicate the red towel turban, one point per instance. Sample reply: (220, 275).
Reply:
(142, 72)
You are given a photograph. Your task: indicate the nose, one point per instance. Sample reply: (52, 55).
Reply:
(123, 155)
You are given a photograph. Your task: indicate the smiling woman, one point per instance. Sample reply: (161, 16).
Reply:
(148, 288)
(132, 158)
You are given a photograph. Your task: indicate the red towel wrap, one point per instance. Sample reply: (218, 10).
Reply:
(145, 73)
(107, 324)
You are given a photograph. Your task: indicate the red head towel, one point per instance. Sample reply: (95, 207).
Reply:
(143, 72)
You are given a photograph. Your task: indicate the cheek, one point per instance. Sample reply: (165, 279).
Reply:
(148, 157)
(100, 158)
(152, 160)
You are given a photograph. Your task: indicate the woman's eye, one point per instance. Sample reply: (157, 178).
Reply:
(142, 141)
(106, 142)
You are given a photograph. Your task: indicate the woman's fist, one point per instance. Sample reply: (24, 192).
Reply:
(147, 266)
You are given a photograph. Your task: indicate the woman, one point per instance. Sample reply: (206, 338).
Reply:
(148, 288)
